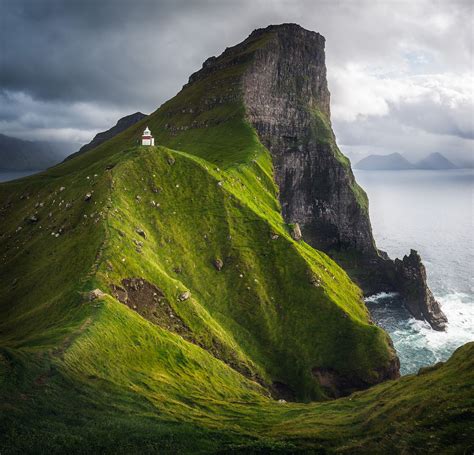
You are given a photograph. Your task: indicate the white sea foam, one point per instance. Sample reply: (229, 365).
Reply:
(417, 344)
(433, 213)
(380, 296)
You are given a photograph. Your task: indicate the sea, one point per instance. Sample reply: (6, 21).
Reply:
(432, 212)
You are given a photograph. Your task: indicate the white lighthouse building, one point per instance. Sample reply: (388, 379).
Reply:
(147, 138)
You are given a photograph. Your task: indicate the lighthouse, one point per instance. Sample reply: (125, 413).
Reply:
(147, 138)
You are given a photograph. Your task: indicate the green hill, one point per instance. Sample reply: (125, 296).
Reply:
(154, 299)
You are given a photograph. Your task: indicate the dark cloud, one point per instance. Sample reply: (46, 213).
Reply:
(71, 68)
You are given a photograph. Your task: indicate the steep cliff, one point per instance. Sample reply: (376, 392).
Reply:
(155, 300)
(287, 101)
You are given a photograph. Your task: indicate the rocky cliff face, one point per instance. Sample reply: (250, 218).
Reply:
(286, 99)
(418, 298)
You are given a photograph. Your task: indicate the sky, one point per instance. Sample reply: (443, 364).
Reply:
(400, 73)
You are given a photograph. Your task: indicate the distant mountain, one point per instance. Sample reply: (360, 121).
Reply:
(20, 155)
(397, 162)
(99, 138)
(392, 162)
(435, 161)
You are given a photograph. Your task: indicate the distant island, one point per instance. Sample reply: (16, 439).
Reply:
(397, 162)
(20, 155)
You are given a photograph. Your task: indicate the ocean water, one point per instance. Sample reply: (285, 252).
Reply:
(6, 176)
(432, 212)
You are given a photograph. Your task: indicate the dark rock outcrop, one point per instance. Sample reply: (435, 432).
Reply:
(418, 298)
(286, 98)
(150, 302)
(99, 138)
(337, 385)
(281, 74)
(287, 101)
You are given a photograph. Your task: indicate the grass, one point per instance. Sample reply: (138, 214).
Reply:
(87, 376)
(82, 376)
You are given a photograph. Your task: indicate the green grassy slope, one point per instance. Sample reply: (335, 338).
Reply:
(260, 311)
(49, 405)
(195, 374)
(87, 376)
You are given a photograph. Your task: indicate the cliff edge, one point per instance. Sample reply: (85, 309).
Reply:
(287, 101)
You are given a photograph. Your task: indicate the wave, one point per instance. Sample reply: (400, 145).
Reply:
(380, 296)
(417, 344)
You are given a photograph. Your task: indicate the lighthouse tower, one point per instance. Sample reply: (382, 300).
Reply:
(147, 138)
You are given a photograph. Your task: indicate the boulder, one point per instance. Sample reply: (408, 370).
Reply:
(218, 264)
(95, 294)
(296, 232)
(140, 232)
(184, 296)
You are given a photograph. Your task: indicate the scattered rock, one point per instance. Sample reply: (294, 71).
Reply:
(138, 198)
(184, 296)
(274, 236)
(315, 280)
(140, 232)
(88, 197)
(218, 264)
(281, 401)
(95, 294)
(33, 219)
(178, 270)
(62, 188)
(296, 232)
(170, 160)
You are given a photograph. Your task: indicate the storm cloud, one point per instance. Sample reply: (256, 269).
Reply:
(400, 72)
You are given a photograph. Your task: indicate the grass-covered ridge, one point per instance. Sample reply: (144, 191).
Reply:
(90, 376)
(261, 309)
(74, 370)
